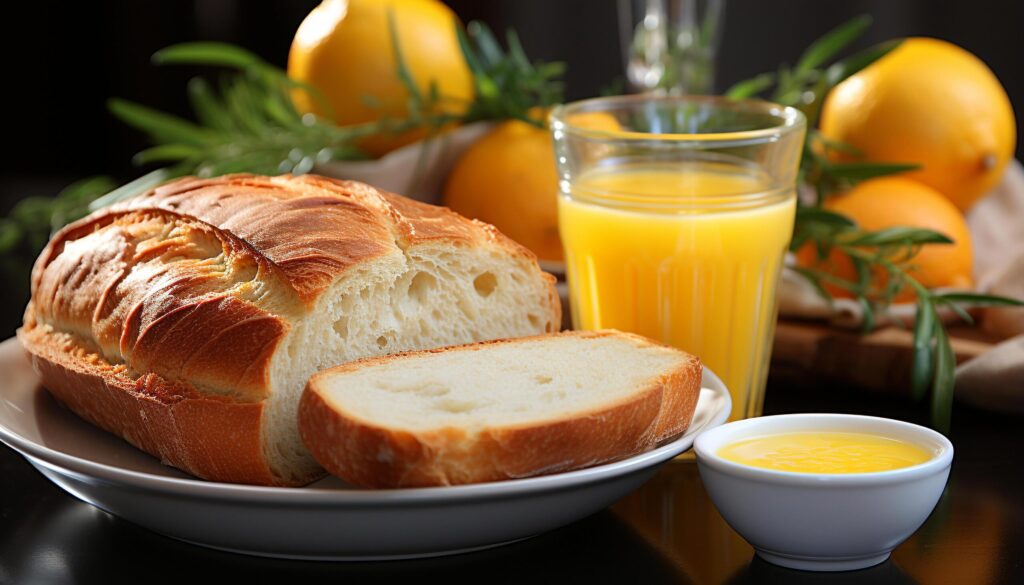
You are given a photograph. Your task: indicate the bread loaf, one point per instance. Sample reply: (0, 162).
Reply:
(497, 410)
(189, 319)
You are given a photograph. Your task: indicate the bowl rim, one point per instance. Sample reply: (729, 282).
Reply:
(706, 456)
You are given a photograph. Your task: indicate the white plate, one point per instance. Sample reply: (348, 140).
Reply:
(326, 520)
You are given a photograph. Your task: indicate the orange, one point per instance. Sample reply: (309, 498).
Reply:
(932, 103)
(508, 179)
(343, 48)
(896, 201)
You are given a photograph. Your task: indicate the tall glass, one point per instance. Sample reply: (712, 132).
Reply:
(669, 46)
(675, 214)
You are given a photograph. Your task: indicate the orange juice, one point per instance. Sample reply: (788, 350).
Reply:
(686, 252)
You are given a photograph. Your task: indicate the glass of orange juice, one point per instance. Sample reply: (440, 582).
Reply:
(675, 213)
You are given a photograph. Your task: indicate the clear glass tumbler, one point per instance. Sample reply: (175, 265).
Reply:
(675, 214)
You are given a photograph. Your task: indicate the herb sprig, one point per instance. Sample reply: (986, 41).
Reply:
(247, 121)
(508, 85)
(248, 124)
(883, 256)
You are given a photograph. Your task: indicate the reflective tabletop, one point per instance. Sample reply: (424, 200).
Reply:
(666, 532)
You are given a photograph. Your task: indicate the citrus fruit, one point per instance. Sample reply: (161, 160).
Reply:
(896, 201)
(344, 49)
(932, 103)
(508, 179)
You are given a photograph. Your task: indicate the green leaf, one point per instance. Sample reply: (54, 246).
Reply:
(73, 201)
(88, 187)
(961, 312)
(924, 330)
(863, 270)
(469, 53)
(862, 171)
(209, 110)
(207, 53)
(868, 313)
(750, 87)
(282, 111)
(898, 236)
(979, 299)
(812, 277)
(33, 211)
(404, 75)
(166, 153)
(945, 379)
(838, 72)
(490, 50)
(831, 43)
(10, 235)
(160, 126)
(244, 107)
(515, 50)
(834, 145)
(823, 216)
(135, 187)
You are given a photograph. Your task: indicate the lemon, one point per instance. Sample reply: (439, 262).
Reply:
(344, 49)
(508, 179)
(896, 201)
(932, 103)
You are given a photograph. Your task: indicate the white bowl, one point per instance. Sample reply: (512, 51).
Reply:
(819, 521)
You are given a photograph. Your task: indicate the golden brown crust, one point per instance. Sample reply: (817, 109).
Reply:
(211, 437)
(158, 318)
(369, 455)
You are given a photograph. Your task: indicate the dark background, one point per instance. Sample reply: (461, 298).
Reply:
(64, 59)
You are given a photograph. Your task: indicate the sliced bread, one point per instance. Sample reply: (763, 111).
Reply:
(189, 319)
(497, 410)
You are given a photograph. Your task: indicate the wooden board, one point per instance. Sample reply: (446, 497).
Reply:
(880, 360)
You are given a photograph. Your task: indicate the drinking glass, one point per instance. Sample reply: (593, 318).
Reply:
(675, 213)
(669, 46)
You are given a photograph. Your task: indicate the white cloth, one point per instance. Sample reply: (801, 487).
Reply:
(418, 170)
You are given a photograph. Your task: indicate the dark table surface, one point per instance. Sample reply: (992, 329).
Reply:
(666, 532)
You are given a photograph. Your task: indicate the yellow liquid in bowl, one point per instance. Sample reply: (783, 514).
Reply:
(825, 452)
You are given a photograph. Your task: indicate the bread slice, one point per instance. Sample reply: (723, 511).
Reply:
(497, 410)
(189, 319)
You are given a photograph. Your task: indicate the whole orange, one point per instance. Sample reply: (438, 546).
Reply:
(508, 179)
(896, 201)
(344, 49)
(932, 103)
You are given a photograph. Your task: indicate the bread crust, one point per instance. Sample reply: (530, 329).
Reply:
(369, 455)
(211, 437)
(175, 357)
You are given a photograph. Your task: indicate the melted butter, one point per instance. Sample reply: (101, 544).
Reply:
(825, 452)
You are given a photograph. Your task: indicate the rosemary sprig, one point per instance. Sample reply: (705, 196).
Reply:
(252, 125)
(28, 227)
(30, 223)
(247, 121)
(508, 85)
(249, 124)
(884, 256)
(891, 252)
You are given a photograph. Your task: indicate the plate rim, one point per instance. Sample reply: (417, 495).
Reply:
(65, 462)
